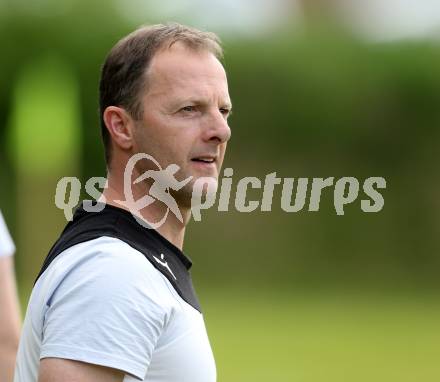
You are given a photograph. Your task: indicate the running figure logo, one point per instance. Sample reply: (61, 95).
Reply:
(163, 181)
(164, 264)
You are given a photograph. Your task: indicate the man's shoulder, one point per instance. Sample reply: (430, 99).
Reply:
(103, 254)
(102, 265)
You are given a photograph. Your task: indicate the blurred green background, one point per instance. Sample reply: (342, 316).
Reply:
(319, 90)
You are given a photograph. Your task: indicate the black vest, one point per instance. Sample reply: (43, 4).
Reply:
(120, 224)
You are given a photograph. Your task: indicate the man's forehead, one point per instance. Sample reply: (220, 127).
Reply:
(180, 67)
(179, 50)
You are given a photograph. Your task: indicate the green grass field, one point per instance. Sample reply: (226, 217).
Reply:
(324, 337)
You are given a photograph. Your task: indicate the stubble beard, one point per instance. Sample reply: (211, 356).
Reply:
(184, 196)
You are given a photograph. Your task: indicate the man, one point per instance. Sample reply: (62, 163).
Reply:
(9, 312)
(114, 300)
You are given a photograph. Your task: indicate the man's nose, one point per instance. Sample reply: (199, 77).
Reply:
(217, 128)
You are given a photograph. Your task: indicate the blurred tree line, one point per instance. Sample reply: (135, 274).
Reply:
(314, 104)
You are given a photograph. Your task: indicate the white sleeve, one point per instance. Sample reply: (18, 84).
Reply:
(106, 311)
(7, 247)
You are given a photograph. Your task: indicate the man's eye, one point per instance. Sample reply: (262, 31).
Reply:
(225, 111)
(188, 108)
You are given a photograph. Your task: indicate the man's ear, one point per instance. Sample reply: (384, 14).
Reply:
(120, 126)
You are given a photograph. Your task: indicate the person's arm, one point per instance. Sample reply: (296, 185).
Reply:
(9, 319)
(9, 311)
(63, 370)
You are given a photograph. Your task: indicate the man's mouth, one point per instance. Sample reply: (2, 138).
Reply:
(207, 164)
(204, 159)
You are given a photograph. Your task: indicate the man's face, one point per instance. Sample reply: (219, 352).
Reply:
(186, 107)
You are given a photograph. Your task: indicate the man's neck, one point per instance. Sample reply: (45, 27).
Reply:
(172, 229)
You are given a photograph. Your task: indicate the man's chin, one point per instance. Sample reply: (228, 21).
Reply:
(204, 188)
(195, 192)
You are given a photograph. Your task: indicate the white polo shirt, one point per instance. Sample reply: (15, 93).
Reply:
(7, 247)
(104, 302)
